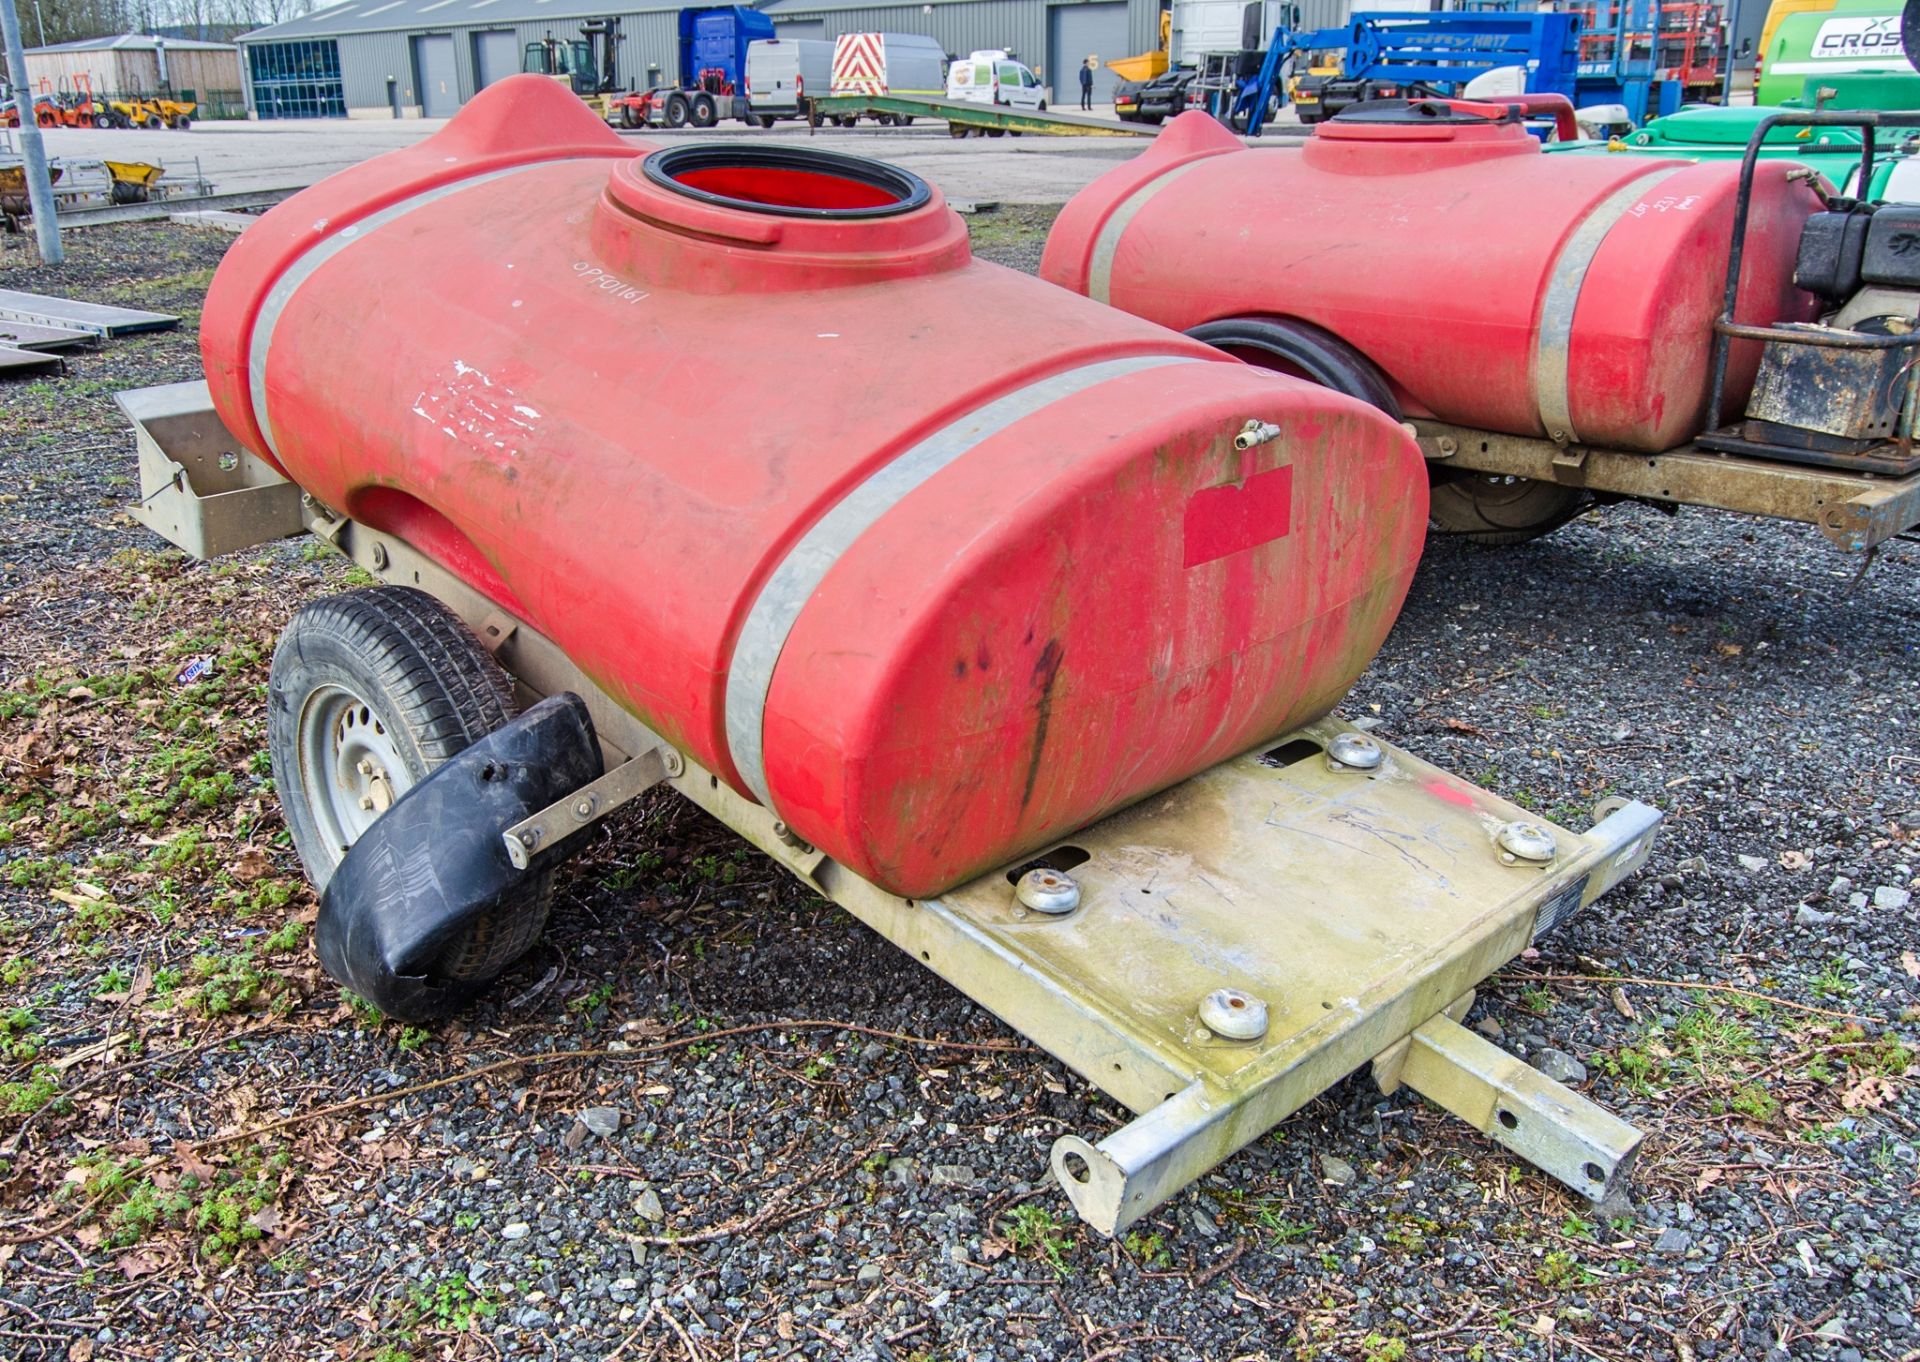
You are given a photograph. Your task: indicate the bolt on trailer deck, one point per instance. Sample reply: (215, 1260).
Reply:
(1213, 958)
(1212, 921)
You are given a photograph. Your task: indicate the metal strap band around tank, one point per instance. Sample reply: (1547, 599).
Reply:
(303, 268)
(770, 622)
(1107, 244)
(1552, 356)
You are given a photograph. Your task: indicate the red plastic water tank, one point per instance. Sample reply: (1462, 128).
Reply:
(939, 561)
(1571, 297)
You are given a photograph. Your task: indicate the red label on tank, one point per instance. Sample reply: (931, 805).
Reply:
(1239, 515)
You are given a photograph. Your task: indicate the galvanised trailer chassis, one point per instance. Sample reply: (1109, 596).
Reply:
(1213, 958)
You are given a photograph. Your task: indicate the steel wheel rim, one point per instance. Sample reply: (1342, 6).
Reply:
(351, 770)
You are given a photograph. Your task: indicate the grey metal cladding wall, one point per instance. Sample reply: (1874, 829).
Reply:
(1143, 26)
(366, 60)
(1020, 26)
(1324, 13)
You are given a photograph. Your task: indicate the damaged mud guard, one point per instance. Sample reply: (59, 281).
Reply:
(435, 864)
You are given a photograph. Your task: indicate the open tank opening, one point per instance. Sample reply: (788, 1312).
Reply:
(788, 181)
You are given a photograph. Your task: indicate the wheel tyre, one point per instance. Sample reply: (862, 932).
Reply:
(885, 120)
(703, 114)
(102, 121)
(765, 120)
(1495, 510)
(956, 130)
(155, 122)
(677, 112)
(391, 677)
(627, 120)
(903, 120)
(1043, 106)
(47, 120)
(182, 123)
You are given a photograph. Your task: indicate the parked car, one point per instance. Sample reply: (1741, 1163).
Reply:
(1153, 101)
(992, 77)
(780, 74)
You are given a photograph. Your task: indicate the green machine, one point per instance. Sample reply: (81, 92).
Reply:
(1712, 132)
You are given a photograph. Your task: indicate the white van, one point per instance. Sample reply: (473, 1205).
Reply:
(909, 64)
(992, 77)
(783, 74)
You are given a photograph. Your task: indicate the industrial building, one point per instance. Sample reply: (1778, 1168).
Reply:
(425, 58)
(142, 64)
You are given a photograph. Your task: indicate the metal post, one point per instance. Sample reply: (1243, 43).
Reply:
(46, 228)
(1733, 38)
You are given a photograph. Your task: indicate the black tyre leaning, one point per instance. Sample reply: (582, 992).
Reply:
(413, 683)
(1486, 510)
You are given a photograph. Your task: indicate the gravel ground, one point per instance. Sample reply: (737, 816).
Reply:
(784, 1138)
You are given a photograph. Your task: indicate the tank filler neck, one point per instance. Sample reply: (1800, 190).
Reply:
(1400, 136)
(694, 218)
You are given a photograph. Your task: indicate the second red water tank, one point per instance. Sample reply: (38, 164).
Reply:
(1569, 297)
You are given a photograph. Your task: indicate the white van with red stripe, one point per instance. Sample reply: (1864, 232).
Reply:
(906, 64)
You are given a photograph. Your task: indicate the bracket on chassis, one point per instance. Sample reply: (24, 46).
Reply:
(1213, 957)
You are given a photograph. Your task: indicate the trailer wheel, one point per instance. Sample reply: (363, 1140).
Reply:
(1303, 350)
(702, 112)
(368, 692)
(903, 120)
(956, 130)
(677, 113)
(1495, 509)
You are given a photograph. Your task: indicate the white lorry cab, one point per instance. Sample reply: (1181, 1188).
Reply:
(784, 75)
(992, 77)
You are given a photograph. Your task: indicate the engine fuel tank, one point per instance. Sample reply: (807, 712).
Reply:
(723, 422)
(1565, 297)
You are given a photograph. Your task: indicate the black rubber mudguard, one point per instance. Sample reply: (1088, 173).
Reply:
(435, 863)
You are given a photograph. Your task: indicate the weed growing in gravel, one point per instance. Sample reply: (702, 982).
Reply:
(225, 1210)
(450, 1303)
(18, 1041)
(413, 1038)
(1753, 1100)
(1380, 1348)
(224, 983)
(1561, 1269)
(38, 1090)
(1832, 982)
(1032, 1228)
(1150, 1249)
